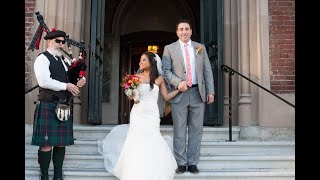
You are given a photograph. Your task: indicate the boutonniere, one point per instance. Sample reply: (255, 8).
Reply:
(198, 49)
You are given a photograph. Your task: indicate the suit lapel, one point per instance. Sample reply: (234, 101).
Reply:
(179, 53)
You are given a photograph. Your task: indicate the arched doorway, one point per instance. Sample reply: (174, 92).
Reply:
(130, 26)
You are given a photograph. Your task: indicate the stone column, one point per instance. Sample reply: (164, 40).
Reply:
(244, 107)
(67, 16)
(230, 9)
(235, 58)
(255, 61)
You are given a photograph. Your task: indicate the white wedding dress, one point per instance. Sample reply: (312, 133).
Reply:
(138, 151)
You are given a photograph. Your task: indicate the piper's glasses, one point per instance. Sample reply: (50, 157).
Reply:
(60, 41)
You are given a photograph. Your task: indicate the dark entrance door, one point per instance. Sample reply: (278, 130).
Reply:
(96, 58)
(211, 35)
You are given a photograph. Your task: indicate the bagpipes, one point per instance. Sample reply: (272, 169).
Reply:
(76, 67)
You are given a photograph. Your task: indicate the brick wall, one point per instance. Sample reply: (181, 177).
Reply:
(282, 45)
(30, 19)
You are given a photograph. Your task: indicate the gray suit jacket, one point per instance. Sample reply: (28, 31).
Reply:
(174, 70)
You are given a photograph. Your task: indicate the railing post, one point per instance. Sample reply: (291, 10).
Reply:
(231, 72)
(230, 104)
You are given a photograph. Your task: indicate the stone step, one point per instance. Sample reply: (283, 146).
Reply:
(95, 132)
(216, 174)
(206, 162)
(212, 147)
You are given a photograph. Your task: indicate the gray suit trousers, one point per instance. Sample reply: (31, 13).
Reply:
(189, 111)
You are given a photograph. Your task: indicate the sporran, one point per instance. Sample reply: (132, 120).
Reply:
(63, 111)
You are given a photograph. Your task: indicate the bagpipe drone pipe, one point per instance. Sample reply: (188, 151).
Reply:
(76, 67)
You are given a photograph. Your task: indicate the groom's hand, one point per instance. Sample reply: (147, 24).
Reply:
(182, 86)
(210, 98)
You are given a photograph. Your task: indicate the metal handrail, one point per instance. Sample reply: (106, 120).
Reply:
(227, 69)
(231, 72)
(31, 89)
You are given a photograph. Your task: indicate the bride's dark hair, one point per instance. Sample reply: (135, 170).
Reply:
(154, 73)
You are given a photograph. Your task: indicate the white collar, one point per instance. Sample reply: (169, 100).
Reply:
(50, 52)
(55, 56)
(182, 43)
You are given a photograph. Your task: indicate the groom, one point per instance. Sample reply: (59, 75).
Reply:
(186, 65)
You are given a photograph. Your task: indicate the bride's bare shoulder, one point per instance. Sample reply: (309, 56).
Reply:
(159, 80)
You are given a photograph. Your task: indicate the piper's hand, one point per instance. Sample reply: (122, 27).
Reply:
(73, 89)
(81, 82)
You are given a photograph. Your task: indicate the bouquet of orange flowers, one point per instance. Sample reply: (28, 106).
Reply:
(129, 84)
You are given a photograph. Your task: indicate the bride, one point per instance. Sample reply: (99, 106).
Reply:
(138, 151)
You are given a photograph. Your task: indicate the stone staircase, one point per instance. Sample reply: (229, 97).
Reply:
(219, 159)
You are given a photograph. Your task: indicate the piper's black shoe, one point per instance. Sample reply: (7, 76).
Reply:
(44, 177)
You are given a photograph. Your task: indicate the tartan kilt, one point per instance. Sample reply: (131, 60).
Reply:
(48, 130)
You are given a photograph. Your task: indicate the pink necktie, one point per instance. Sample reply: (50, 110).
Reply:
(189, 77)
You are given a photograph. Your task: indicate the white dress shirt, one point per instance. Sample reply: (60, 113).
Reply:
(192, 60)
(42, 72)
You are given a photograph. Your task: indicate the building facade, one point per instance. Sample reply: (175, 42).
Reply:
(254, 37)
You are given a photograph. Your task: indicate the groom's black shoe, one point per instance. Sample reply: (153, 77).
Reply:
(193, 169)
(181, 169)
